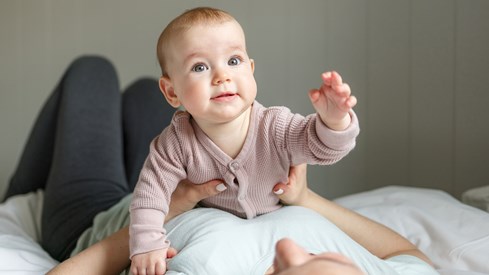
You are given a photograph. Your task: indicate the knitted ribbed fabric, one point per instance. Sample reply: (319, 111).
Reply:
(276, 139)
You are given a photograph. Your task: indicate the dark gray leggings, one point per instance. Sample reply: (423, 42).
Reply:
(87, 147)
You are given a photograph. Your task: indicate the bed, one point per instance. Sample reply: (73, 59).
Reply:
(453, 234)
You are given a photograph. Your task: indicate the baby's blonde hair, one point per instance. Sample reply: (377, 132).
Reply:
(188, 19)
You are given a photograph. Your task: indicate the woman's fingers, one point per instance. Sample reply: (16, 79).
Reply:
(194, 193)
(188, 194)
(208, 189)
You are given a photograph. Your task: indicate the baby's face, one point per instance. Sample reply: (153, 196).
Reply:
(210, 73)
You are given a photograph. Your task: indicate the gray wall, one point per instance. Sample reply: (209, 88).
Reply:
(419, 69)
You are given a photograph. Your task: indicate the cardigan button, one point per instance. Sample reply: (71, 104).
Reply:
(234, 166)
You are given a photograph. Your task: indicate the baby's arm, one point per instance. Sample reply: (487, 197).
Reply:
(184, 198)
(364, 231)
(333, 101)
(185, 195)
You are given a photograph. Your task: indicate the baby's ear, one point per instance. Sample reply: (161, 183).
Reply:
(252, 61)
(166, 87)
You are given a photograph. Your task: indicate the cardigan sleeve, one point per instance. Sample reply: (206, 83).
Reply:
(145, 232)
(338, 140)
(162, 171)
(309, 140)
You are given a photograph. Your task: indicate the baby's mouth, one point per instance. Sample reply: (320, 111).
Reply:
(224, 95)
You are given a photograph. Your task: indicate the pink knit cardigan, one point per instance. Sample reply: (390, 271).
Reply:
(276, 139)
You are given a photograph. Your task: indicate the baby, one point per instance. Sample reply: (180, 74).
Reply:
(224, 133)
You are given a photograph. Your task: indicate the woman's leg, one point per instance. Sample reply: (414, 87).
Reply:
(145, 114)
(87, 173)
(35, 162)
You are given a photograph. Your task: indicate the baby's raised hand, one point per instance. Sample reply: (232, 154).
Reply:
(153, 262)
(333, 101)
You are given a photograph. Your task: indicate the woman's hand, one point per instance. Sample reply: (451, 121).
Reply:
(295, 191)
(361, 229)
(188, 194)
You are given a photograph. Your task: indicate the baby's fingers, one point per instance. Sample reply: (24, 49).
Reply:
(160, 268)
(343, 90)
(326, 76)
(351, 101)
(336, 79)
(172, 252)
(332, 79)
(314, 95)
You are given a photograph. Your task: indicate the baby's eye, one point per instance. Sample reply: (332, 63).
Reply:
(199, 68)
(234, 61)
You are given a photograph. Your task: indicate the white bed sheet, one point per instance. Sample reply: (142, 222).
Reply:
(455, 236)
(20, 252)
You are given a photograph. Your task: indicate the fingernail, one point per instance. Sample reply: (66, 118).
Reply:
(279, 192)
(221, 187)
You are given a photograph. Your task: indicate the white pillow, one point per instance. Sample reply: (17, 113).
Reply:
(477, 197)
(454, 235)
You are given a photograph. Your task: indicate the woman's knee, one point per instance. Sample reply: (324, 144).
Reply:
(92, 63)
(91, 75)
(143, 97)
